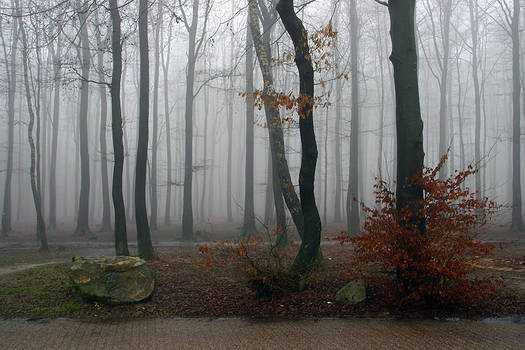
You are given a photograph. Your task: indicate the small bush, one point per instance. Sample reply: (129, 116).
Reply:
(432, 268)
(264, 263)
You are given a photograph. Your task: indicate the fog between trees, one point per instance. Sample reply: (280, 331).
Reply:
(197, 128)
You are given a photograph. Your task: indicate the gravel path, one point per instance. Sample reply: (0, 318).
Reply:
(250, 334)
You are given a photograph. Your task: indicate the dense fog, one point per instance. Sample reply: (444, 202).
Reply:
(198, 52)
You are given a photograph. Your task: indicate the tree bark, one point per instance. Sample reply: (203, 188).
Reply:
(106, 216)
(352, 199)
(155, 131)
(83, 206)
(249, 214)
(145, 248)
(40, 226)
(120, 232)
(409, 125)
(310, 246)
(11, 92)
(54, 143)
(517, 216)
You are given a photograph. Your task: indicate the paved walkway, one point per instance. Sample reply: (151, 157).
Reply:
(249, 334)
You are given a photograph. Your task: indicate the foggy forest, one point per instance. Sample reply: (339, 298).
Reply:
(139, 117)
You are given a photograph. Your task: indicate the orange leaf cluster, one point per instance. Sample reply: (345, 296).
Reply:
(433, 268)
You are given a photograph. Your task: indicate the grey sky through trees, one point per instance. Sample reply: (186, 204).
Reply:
(195, 173)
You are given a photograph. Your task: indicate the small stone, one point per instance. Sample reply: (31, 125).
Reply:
(353, 293)
(113, 279)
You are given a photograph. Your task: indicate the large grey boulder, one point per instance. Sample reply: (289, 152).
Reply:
(353, 293)
(113, 279)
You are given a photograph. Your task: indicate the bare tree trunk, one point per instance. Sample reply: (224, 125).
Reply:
(11, 92)
(249, 211)
(474, 23)
(106, 216)
(409, 125)
(187, 212)
(40, 226)
(83, 206)
(517, 216)
(54, 143)
(154, 136)
(165, 70)
(352, 199)
(121, 239)
(145, 247)
(309, 251)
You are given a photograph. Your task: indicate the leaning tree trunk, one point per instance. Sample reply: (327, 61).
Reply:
(274, 124)
(121, 240)
(310, 246)
(83, 205)
(40, 225)
(11, 92)
(145, 247)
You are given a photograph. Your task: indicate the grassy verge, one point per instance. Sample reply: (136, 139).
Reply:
(186, 287)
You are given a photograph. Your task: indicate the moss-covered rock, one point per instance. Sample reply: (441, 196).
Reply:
(113, 279)
(353, 293)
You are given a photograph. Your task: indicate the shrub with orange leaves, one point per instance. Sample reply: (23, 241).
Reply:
(433, 268)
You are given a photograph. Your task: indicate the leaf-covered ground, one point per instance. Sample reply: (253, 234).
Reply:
(186, 287)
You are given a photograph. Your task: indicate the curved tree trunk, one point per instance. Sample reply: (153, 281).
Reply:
(40, 226)
(310, 246)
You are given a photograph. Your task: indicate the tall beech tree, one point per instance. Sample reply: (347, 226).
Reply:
(83, 200)
(57, 70)
(10, 66)
(121, 239)
(409, 124)
(311, 239)
(352, 204)
(106, 217)
(40, 224)
(145, 247)
(249, 211)
(194, 47)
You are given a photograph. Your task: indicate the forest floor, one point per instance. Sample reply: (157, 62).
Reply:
(39, 287)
